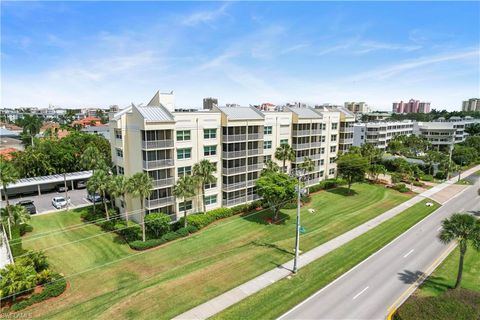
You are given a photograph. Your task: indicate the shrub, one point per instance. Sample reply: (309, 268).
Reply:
(192, 229)
(290, 205)
(35, 259)
(401, 187)
(426, 177)
(157, 224)
(200, 220)
(107, 225)
(89, 216)
(239, 208)
(132, 233)
(52, 289)
(396, 177)
(221, 213)
(24, 228)
(305, 198)
(16, 242)
(44, 276)
(316, 188)
(140, 245)
(418, 184)
(183, 232)
(441, 175)
(170, 236)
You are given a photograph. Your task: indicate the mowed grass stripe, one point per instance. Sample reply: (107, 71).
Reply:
(172, 279)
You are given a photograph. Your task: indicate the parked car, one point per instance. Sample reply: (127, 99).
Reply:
(60, 202)
(82, 184)
(94, 197)
(28, 204)
(62, 188)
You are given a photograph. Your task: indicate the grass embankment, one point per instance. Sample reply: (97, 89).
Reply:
(169, 280)
(435, 299)
(285, 294)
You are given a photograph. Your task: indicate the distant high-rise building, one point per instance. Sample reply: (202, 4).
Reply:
(267, 106)
(357, 107)
(412, 106)
(209, 103)
(471, 105)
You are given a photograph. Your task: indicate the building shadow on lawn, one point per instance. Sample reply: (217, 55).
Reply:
(410, 277)
(342, 191)
(266, 217)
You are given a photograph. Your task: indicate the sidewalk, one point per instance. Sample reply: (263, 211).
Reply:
(241, 292)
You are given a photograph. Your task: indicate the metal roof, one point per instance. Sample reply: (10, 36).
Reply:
(154, 114)
(7, 133)
(50, 179)
(242, 113)
(305, 113)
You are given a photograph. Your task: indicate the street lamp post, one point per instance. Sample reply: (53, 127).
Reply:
(297, 232)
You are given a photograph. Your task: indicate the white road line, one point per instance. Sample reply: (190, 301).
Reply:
(360, 293)
(408, 253)
(439, 228)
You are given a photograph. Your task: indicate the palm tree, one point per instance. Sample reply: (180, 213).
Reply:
(19, 215)
(140, 185)
(15, 278)
(118, 188)
(270, 166)
(308, 165)
(464, 229)
(285, 152)
(31, 126)
(203, 173)
(8, 175)
(473, 129)
(99, 182)
(91, 159)
(185, 189)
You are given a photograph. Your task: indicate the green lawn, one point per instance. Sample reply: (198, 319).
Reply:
(166, 281)
(280, 297)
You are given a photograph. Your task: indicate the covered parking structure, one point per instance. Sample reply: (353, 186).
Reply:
(39, 185)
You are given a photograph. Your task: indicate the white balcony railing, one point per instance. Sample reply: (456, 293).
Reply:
(301, 132)
(255, 136)
(157, 144)
(236, 170)
(252, 152)
(161, 202)
(233, 138)
(234, 186)
(234, 154)
(255, 167)
(164, 182)
(156, 164)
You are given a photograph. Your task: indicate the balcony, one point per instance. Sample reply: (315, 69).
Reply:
(234, 186)
(235, 170)
(163, 182)
(316, 132)
(298, 146)
(253, 152)
(252, 197)
(346, 130)
(346, 141)
(234, 138)
(234, 202)
(255, 167)
(157, 144)
(312, 181)
(298, 133)
(251, 183)
(255, 136)
(161, 202)
(157, 164)
(234, 154)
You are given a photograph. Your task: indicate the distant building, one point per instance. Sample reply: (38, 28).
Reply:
(88, 121)
(376, 116)
(379, 134)
(471, 104)
(267, 106)
(209, 103)
(412, 106)
(357, 107)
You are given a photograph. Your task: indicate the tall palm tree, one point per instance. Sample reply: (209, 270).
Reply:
(31, 126)
(140, 185)
(270, 166)
(8, 175)
(464, 229)
(308, 165)
(203, 173)
(19, 215)
(91, 159)
(118, 188)
(285, 153)
(99, 182)
(185, 189)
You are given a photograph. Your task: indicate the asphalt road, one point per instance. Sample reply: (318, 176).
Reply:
(368, 290)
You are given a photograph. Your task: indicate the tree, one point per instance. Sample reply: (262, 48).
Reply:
(203, 173)
(431, 158)
(8, 175)
(276, 189)
(374, 170)
(352, 167)
(464, 229)
(18, 215)
(371, 153)
(473, 129)
(118, 187)
(33, 163)
(140, 186)
(16, 278)
(285, 153)
(307, 165)
(157, 224)
(185, 189)
(91, 159)
(270, 166)
(99, 183)
(31, 126)
(463, 155)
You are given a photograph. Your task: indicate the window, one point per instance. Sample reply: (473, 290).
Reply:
(322, 150)
(120, 170)
(332, 160)
(118, 134)
(210, 200)
(283, 141)
(267, 130)
(209, 133)
(267, 145)
(333, 137)
(267, 158)
(333, 149)
(334, 126)
(184, 171)
(185, 153)
(322, 162)
(331, 171)
(187, 205)
(210, 185)
(322, 139)
(119, 152)
(324, 126)
(209, 150)
(183, 135)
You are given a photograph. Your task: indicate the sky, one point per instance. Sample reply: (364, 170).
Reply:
(79, 54)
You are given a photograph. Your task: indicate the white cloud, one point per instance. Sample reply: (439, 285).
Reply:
(205, 16)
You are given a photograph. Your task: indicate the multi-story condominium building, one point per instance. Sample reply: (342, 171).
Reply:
(412, 106)
(357, 107)
(239, 140)
(472, 104)
(380, 133)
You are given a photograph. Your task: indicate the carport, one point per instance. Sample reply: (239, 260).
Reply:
(37, 185)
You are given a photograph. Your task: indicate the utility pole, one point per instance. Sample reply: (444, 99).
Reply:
(297, 234)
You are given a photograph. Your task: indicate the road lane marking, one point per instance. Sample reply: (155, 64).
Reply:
(439, 228)
(358, 294)
(408, 253)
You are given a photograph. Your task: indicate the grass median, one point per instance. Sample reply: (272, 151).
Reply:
(280, 297)
(174, 278)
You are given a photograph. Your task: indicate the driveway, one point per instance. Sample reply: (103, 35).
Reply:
(43, 202)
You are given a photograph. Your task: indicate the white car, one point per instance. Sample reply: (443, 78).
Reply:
(60, 202)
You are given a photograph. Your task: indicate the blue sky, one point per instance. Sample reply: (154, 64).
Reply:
(103, 53)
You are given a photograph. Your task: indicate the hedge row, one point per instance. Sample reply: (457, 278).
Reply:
(327, 184)
(52, 289)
